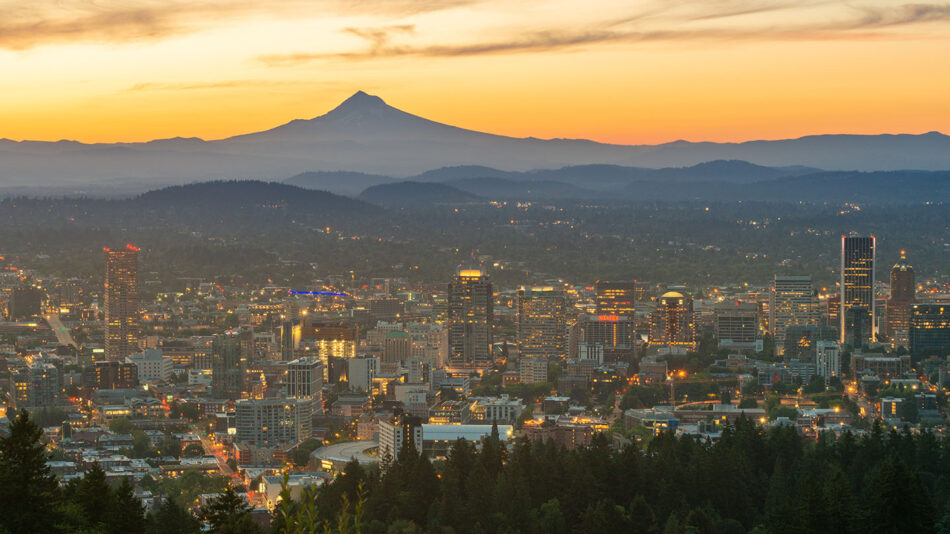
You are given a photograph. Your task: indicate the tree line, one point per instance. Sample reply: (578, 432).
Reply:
(765, 481)
(753, 479)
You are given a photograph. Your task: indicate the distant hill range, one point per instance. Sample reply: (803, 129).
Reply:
(414, 193)
(716, 180)
(247, 195)
(371, 140)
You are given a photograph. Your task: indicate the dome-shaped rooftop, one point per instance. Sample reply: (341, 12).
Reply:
(672, 295)
(902, 264)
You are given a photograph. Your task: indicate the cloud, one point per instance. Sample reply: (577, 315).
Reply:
(877, 17)
(26, 24)
(862, 23)
(380, 37)
(227, 84)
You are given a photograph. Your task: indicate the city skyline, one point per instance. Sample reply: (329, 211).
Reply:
(140, 71)
(474, 266)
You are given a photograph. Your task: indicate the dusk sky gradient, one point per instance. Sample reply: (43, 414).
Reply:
(629, 71)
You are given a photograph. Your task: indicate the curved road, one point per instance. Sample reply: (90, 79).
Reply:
(344, 452)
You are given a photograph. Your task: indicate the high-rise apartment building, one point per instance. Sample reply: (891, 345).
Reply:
(398, 432)
(361, 371)
(272, 422)
(533, 370)
(792, 303)
(37, 385)
(470, 319)
(828, 359)
(111, 375)
(857, 285)
(542, 322)
(121, 302)
(305, 381)
(615, 298)
(903, 295)
(673, 323)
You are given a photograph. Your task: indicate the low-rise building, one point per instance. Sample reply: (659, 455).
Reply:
(151, 365)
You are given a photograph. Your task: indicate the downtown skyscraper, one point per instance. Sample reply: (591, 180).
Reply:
(903, 295)
(121, 302)
(542, 322)
(470, 319)
(673, 323)
(615, 298)
(792, 302)
(858, 255)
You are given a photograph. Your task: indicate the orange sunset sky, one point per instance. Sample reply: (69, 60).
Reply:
(615, 71)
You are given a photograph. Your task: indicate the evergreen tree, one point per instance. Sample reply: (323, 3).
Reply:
(642, 519)
(28, 490)
(94, 498)
(840, 504)
(170, 518)
(604, 516)
(127, 514)
(896, 501)
(228, 513)
(548, 519)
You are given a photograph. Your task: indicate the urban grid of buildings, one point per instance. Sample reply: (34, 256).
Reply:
(250, 376)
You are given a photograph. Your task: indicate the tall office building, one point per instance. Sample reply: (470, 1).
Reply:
(290, 332)
(610, 337)
(903, 295)
(121, 302)
(228, 365)
(305, 381)
(542, 322)
(615, 298)
(792, 303)
(737, 325)
(857, 285)
(834, 314)
(801, 341)
(335, 342)
(929, 330)
(609, 331)
(857, 326)
(397, 347)
(673, 323)
(470, 319)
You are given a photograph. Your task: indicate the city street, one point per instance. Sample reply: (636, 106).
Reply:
(63, 335)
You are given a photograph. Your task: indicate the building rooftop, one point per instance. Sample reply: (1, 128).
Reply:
(467, 432)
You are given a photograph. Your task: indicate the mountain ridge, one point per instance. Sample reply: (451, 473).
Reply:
(365, 134)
